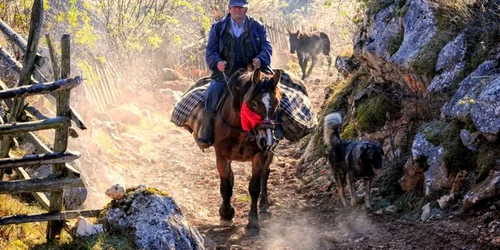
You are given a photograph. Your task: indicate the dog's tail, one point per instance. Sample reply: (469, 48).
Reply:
(331, 127)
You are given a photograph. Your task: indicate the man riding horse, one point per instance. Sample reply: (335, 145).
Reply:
(236, 41)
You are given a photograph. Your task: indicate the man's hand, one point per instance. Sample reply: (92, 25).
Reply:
(256, 63)
(221, 66)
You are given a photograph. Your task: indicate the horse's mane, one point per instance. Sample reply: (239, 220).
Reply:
(241, 82)
(304, 34)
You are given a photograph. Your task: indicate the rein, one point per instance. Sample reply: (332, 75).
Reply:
(250, 136)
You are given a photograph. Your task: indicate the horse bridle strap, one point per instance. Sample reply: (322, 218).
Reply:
(231, 126)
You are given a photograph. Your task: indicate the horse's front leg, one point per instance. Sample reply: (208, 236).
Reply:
(226, 210)
(302, 63)
(314, 59)
(264, 200)
(253, 227)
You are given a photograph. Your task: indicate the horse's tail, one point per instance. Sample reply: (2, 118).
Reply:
(331, 127)
(326, 43)
(326, 48)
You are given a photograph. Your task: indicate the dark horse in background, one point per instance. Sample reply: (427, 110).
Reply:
(308, 46)
(260, 93)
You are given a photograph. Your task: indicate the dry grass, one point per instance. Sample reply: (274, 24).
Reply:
(21, 236)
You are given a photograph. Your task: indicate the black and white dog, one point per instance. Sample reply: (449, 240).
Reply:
(351, 160)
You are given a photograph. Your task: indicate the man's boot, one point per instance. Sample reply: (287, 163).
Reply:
(207, 139)
(278, 128)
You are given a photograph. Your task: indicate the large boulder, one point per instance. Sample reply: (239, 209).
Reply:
(449, 65)
(487, 189)
(156, 221)
(436, 175)
(478, 96)
(392, 40)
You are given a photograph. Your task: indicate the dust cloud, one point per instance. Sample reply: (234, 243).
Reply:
(309, 231)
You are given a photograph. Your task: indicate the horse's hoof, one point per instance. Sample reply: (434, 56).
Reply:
(252, 231)
(226, 223)
(265, 215)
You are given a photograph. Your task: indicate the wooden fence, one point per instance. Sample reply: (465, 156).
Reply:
(63, 175)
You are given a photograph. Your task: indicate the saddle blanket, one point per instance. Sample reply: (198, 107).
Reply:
(298, 115)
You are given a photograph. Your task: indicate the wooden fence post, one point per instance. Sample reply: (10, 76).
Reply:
(61, 139)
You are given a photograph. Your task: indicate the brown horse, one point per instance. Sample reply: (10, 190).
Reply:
(262, 96)
(308, 46)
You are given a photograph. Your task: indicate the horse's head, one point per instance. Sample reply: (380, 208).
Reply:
(258, 100)
(294, 40)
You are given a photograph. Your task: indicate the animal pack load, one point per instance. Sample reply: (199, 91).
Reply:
(298, 115)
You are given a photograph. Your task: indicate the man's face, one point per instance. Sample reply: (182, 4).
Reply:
(238, 13)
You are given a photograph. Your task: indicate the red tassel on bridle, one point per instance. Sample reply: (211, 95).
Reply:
(249, 119)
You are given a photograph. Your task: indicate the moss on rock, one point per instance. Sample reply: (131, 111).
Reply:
(371, 112)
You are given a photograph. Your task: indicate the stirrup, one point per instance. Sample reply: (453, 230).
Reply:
(278, 134)
(203, 144)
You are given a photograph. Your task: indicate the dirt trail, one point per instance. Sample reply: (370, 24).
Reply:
(303, 218)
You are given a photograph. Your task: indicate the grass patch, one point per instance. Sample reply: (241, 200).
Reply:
(22, 236)
(482, 47)
(395, 43)
(456, 156)
(97, 242)
(349, 132)
(487, 160)
(389, 180)
(410, 205)
(375, 6)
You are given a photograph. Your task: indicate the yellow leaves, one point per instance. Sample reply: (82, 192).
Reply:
(182, 3)
(207, 23)
(89, 74)
(86, 36)
(60, 17)
(155, 40)
(87, 5)
(101, 59)
(46, 5)
(134, 45)
(466, 100)
(200, 9)
(73, 16)
(177, 39)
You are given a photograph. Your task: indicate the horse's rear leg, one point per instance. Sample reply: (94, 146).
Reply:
(226, 210)
(314, 59)
(264, 199)
(254, 188)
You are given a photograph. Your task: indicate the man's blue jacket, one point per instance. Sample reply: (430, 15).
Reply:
(258, 35)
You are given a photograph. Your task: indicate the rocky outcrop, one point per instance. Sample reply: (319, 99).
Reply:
(449, 65)
(436, 175)
(346, 65)
(389, 43)
(461, 103)
(487, 189)
(393, 45)
(154, 218)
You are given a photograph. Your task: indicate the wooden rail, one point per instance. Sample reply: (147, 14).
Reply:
(37, 160)
(54, 216)
(23, 127)
(40, 185)
(40, 88)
